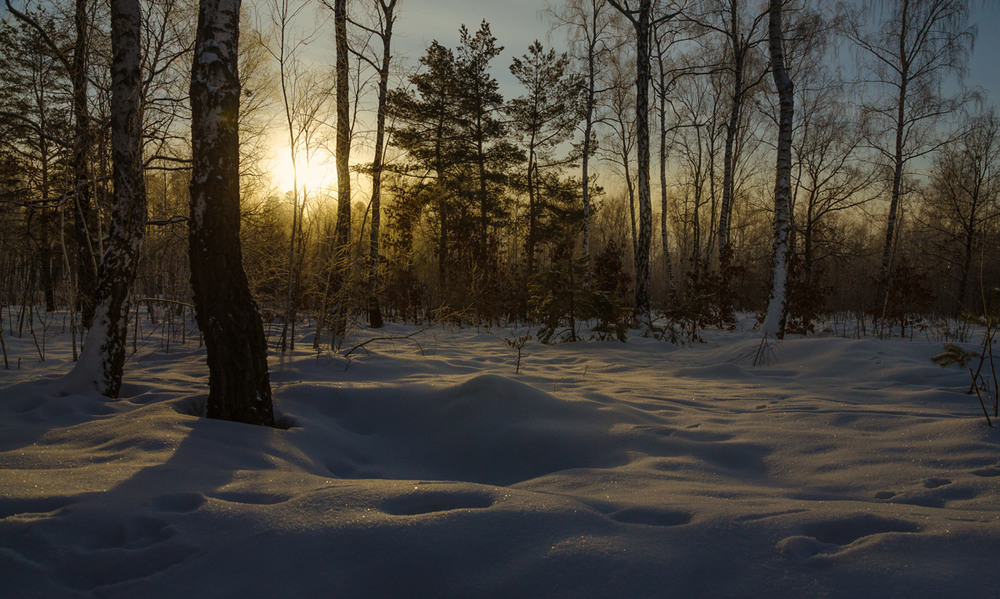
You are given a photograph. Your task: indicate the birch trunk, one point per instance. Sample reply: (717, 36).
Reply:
(342, 234)
(103, 356)
(777, 309)
(239, 382)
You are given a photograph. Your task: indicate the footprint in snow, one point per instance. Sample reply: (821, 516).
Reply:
(828, 536)
(987, 472)
(251, 498)
(420, 503)
(178, 503)
(651, 516)
(934, 482)
(40, 505)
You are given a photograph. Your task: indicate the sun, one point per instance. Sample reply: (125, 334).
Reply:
(315, 173)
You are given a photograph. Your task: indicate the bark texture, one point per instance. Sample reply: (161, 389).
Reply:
(239, 383)
(342, 233)
(777, 308)
(103, 356)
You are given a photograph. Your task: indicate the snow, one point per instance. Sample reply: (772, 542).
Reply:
(425, 467)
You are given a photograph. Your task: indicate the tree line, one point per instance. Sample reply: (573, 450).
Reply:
(799, 158)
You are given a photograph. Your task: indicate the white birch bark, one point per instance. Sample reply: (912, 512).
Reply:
(777, 308)
(103, 356)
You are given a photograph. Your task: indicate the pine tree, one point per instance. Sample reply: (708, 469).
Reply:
(544, 117)
(428, 130)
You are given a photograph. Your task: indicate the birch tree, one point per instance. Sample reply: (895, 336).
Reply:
(777, 309)
(239, 382)
(386, 18)
(285, 51)
(964, 198)
(908, 54)
(103, 357)
(742, 30)
(641, 14)
(342, 232)
(588, 24)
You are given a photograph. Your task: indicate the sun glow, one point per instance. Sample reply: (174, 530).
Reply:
(315, 173)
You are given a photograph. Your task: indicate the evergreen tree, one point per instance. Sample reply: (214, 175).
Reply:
(543, 118)
(427, 130)
(483, 148)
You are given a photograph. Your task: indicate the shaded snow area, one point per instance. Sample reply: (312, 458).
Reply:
(846, 468)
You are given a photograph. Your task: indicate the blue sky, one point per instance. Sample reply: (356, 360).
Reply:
(517, 23)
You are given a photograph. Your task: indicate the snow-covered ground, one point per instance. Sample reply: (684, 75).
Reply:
(427, 468)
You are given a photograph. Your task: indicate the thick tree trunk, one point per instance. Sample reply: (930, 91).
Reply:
(103, 357)
(642, 30)
(777, 309)
(239, 383)
(342, 234)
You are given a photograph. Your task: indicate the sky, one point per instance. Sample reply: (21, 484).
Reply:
(517, 23)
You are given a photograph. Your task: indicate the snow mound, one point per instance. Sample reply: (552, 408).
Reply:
(843, 468)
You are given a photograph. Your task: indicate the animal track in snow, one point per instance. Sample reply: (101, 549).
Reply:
(138, 533)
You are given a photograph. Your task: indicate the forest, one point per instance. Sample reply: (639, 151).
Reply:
(662, 166)
(687, 298)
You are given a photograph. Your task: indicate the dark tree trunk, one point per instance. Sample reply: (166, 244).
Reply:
(374, 309)
(588, 149)
(103, 357)
(641, 19)
(239, 384)
(898, 161)
(728, 167)
(342, 234)
(532, 211)
(642, 145)
(84, 217)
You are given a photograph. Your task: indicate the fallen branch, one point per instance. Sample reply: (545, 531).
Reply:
(409, 337)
